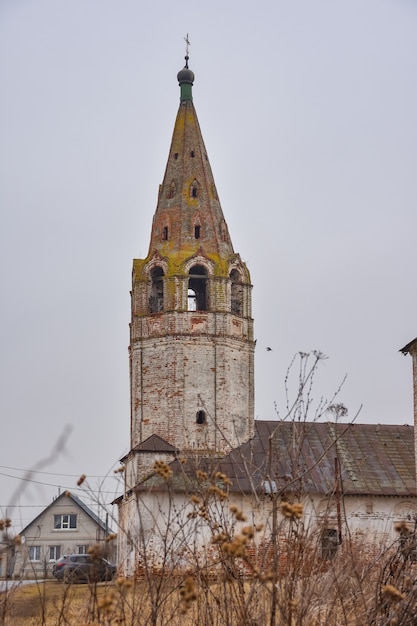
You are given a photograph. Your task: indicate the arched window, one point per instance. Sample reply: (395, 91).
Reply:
(156, 299)
(171, 191)
(236, 305)
(194, 189)
(200, 417)
(197, 231)
(197, 288)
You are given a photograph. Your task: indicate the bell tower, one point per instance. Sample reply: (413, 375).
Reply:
(191, 332)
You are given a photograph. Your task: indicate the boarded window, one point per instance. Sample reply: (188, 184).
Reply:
(236, 304)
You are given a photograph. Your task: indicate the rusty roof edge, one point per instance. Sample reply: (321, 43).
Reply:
(409, 347)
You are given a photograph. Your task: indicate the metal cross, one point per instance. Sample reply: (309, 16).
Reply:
(187, 42)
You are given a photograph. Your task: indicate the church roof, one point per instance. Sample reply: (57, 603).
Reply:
(408, 349)
(315, 458)
(372, 459)
(154, 443)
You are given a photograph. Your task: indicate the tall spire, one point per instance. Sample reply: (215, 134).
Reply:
(189, 216)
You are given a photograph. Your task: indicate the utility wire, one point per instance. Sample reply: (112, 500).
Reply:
(19, 469)
(39, 482)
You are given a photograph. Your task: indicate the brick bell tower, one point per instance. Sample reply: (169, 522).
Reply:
(191, 333)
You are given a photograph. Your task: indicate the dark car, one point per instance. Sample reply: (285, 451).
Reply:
(85, 568)
(58, 567)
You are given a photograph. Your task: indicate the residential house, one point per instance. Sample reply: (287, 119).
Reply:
(66, 526)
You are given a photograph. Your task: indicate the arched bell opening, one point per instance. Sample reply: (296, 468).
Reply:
(197, 289)
(236, 293)
(156, 299)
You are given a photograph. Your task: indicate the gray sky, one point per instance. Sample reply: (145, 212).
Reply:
(308, 111)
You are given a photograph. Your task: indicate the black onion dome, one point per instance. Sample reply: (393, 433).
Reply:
(185, 75)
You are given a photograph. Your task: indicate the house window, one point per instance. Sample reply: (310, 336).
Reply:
(236, 304)
(329, 543)
(156, 299)
(65, 522)
(200, 417)
(197, 232)
(54, 553)
(197, 289)
(82, 549)
(35, 553)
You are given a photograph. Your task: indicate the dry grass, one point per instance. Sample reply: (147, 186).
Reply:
(50, 603)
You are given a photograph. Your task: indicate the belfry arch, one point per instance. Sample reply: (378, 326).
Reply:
(236, 293)
(156, 298)
(197, 288)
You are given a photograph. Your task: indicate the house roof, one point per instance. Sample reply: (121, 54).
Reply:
(314, 457)
(78, 502)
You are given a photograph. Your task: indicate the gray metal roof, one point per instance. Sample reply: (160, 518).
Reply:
(409, 347)
(309, 457)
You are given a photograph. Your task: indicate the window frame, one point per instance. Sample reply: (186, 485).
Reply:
(69, 524)
(35, 553)
(54, 553)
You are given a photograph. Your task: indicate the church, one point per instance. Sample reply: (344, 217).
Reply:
(198, 459)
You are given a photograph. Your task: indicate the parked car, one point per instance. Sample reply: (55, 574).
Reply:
(58, 567)
(85, 568)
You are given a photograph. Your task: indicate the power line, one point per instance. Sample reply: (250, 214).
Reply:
(39, 482)
(19, 469)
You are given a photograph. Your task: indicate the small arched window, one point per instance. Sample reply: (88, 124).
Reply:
(223, 230)
(171, 191)
(197, 231)
(194, 189)
(236, 304)
(156, 299)
(200, 417)
(197, 288)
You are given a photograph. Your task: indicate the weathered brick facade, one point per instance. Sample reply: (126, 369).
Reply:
(191, 332)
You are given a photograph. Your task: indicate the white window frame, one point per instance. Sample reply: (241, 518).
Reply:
(35, 553)
(65, 521)
(82, 549)
(54, 553)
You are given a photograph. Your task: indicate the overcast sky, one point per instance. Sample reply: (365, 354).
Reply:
(308, 111)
